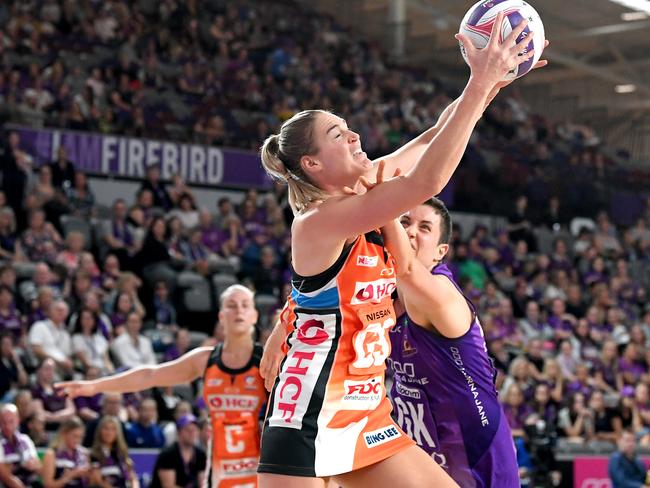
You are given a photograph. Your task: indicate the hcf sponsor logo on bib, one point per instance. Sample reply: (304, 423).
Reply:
(372, 291)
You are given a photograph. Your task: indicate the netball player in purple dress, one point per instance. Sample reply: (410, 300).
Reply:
(443, 392)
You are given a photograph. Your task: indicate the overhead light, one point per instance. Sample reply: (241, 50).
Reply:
(629, 88)
(638, 5)
(632, 16)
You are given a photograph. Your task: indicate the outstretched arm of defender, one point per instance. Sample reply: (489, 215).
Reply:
(187, 368)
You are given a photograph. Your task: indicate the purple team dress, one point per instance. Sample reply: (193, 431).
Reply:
(66, 460)
(444, 398)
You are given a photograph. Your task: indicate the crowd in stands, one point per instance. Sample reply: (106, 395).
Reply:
(228, 74)
(563, 306)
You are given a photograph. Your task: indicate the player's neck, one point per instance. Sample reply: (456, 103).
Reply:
(238, 345)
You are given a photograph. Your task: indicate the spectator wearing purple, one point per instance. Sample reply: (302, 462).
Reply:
(543, 405)
(597, 272)
(504, 248)
(181, 345)
(118, 235)
(251, 219)
(41, 305)
(506, 324)
(583, 383)
(607, 376)
(110, 272)
(66, 463)
(19, 463)
(122, 307)
(10, 319)
(163, 309)
(212, 236)
(520, 258)
(40, 241)
(89, 408)
(560, 259)
(630, 365)
(567, 360)
(560, 321)
(516, 410)
(56, 408)
(195, 254)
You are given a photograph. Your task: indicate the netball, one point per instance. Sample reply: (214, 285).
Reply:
(478, 21)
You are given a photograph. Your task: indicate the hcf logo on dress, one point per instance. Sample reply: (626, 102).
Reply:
(372, 291)
(310, 345)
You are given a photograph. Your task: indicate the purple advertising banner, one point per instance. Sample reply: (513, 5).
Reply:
(112, 155)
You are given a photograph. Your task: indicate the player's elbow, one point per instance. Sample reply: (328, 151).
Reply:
(404, 270)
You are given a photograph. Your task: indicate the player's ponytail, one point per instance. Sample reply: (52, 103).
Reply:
(281, 155)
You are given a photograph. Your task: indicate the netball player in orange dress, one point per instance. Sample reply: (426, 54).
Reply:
(232, 389)
(328, 414)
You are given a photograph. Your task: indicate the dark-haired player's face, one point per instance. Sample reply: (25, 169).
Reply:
(422, 225)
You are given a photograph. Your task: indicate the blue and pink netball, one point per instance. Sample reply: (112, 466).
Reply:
(479, 20)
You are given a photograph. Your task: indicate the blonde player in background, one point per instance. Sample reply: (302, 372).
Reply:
(232, 389)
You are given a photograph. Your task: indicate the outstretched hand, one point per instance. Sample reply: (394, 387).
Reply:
(75, 389)
(491, 64)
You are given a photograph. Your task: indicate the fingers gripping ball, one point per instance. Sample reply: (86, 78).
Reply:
(478, 21)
